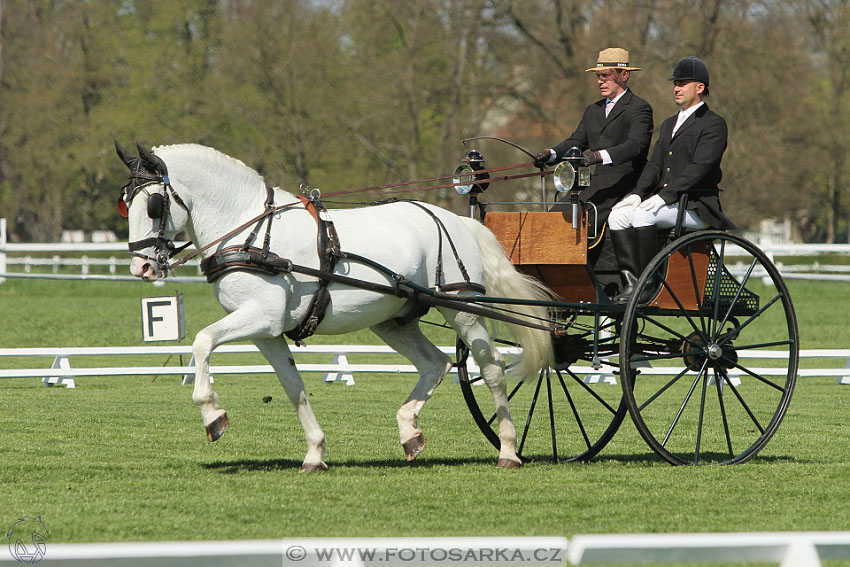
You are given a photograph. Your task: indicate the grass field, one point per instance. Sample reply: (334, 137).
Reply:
(125, 458)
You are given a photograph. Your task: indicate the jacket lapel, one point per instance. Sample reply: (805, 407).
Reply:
(618, 109)
(692, 119)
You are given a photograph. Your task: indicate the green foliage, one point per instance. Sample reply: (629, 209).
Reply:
(342, 95)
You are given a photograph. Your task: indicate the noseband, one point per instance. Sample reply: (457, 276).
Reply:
(159, 207)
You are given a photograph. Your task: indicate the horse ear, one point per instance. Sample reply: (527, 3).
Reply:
(129, 159)
(151, 160)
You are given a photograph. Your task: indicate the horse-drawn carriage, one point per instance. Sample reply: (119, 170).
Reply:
(712, 356)
(706, 368)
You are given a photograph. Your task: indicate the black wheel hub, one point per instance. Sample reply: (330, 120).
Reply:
(719, 353)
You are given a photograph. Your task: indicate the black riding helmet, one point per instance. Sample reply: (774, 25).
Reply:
(691, 69)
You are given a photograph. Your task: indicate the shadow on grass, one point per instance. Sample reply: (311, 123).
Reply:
(248, 465)
(651, 458)
(645, 459)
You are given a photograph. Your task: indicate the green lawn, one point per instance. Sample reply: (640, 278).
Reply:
(125, 458)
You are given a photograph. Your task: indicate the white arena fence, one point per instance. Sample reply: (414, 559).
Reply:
(786, 549)
(25, 257)
(62, 373)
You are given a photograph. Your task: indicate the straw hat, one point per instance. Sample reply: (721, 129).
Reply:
(613, 58)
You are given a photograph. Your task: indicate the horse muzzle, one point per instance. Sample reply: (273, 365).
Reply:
(145, 268)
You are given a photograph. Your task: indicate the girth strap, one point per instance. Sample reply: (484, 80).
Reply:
(327, 243)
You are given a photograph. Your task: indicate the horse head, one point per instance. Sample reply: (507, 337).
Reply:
(146, 202)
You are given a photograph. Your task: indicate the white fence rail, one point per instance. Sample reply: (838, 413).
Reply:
(339, 368)
(786, 549)
(20, 256)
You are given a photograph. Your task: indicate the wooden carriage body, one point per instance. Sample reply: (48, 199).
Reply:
(546, 246)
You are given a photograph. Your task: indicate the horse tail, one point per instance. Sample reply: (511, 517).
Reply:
(501, 279)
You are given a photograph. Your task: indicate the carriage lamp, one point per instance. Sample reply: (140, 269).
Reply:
(473, 161)
(463, 179)
(571, 175)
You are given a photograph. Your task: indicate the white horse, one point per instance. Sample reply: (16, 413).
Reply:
(210, 194)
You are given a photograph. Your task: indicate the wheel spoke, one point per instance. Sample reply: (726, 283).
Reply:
(531, 412)
(753, 374)
(551, 414)
(786, 342)
(734, 301)
(596, 396)
(743, 403)
(682, 407)
(701, 416)
(737, 330)
(718, 383)
(701, 329)
(673, 332)
(663, 389)
(574, 409)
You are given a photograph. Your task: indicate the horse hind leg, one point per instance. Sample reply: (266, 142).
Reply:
(432, 365)
(474, 334)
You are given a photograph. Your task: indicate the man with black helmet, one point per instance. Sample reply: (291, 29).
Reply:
(614, 133)
(685, 160)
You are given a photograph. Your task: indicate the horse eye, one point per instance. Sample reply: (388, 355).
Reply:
(156, 206)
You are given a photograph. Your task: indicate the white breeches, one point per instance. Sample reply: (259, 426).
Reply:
(665, 217)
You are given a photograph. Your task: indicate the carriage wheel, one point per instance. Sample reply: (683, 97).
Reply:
(559, 416)
(713, 357)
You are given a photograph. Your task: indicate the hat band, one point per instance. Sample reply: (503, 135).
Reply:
(612, 64)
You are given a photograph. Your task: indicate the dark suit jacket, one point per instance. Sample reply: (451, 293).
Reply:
(689, 162)
(626, 134)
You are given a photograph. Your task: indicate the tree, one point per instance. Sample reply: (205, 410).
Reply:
(829, 21)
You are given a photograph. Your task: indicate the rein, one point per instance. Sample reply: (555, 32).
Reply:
(445, 185)
(268, 212)
(271, 211)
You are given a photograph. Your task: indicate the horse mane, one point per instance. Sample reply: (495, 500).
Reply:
(213, 160)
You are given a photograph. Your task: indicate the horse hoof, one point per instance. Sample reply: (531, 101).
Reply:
(414, 446)
(320, 467)
(508, 464)
(217, 428)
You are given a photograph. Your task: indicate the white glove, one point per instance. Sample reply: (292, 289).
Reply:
(630, 201)
(653, 204)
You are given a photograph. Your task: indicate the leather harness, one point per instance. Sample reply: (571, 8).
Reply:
(250, 258)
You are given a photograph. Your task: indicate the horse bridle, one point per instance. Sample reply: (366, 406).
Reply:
(159, 207)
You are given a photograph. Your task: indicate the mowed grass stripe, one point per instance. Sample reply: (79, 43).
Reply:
(125, 458)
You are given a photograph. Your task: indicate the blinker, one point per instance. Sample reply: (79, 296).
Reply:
(122, 206)
(156, 206)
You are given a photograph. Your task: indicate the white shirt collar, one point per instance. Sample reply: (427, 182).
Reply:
(618, 97)
(685, 114)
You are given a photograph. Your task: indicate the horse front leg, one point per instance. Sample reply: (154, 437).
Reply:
(280, 356)
(244, 323)
(474, 334)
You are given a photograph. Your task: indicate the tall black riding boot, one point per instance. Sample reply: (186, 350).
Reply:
(647, 244)
(628, 261)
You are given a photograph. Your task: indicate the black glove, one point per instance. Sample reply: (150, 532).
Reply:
(542, 157)
(591, 157)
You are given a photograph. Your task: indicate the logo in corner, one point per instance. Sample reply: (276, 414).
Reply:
(27, 539)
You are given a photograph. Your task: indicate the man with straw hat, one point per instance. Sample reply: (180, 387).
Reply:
(685, 161)
(614, 133)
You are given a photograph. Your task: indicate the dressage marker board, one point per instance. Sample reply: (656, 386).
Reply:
(163, 318)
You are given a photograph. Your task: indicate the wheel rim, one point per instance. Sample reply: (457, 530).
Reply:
(723, 348)
(559, 416)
